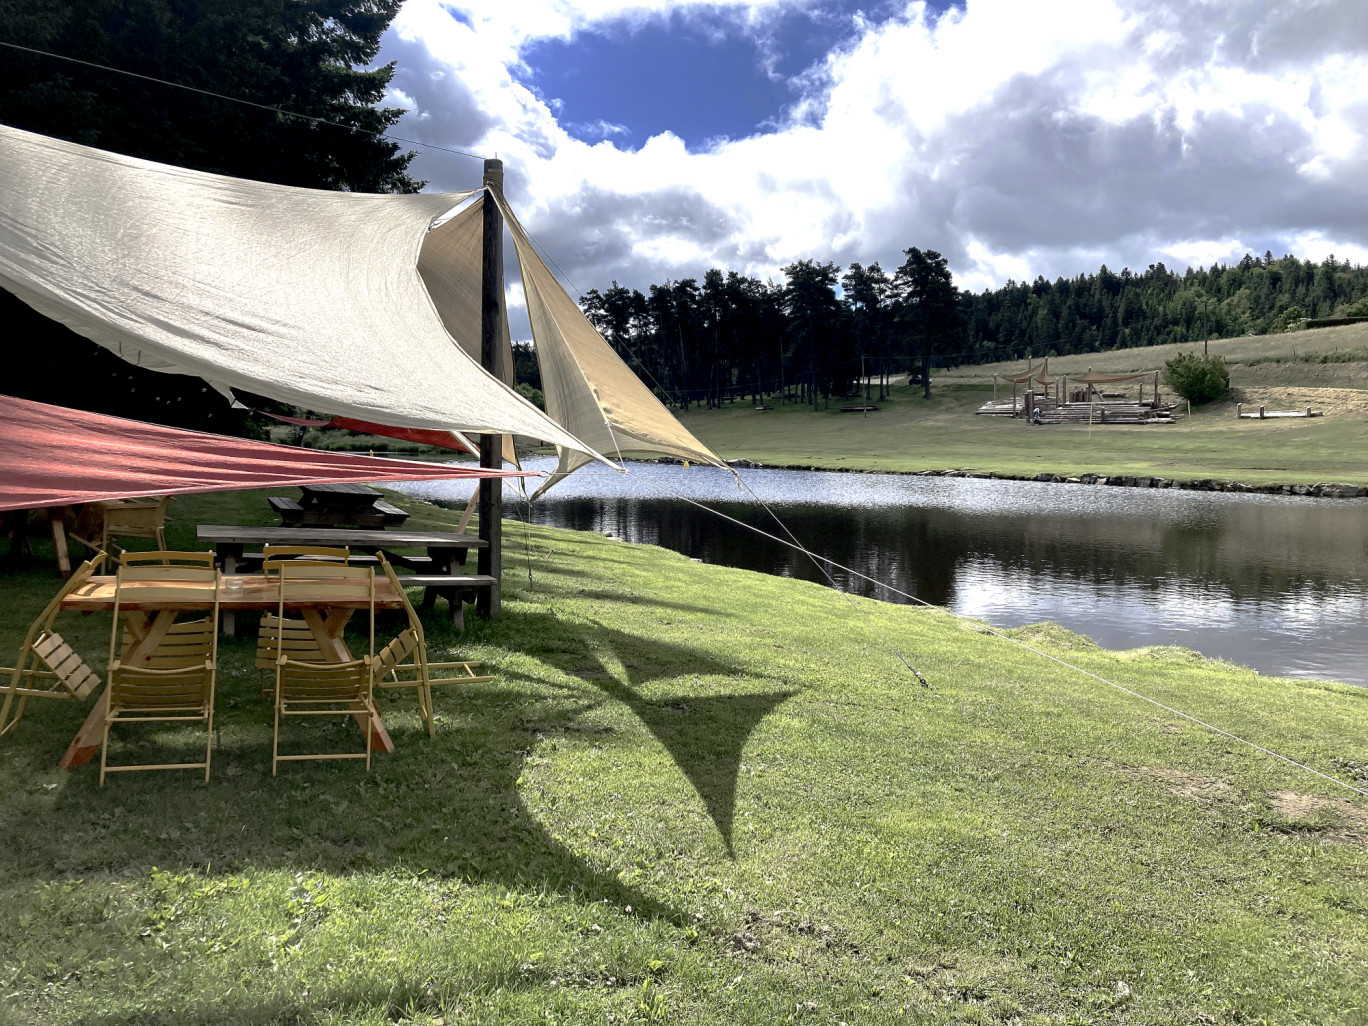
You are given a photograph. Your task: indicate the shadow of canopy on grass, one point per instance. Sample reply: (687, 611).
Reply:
(705, 734)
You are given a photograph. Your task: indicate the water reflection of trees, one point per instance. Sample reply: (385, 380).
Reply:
(1246, 551)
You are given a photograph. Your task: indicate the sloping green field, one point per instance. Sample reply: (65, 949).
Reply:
(695, 794)
(909, 434)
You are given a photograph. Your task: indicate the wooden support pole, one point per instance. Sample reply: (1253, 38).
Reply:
(488, 601)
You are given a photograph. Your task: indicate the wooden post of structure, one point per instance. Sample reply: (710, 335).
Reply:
(995, 377)
(488, 600)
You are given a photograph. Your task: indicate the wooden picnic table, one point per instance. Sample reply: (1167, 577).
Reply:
(446, 553)
(338, 505)
(148, 622)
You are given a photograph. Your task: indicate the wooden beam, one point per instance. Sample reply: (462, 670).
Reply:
(491, 358)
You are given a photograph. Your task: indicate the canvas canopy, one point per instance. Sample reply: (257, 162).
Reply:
(586, 385)
(55, 457)
(1039, 374)
(310, 297)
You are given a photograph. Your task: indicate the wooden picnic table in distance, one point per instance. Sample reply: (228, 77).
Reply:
(446, 552)
(148, 623)
(338, 505)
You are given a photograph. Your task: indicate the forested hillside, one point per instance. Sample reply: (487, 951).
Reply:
(813, 332)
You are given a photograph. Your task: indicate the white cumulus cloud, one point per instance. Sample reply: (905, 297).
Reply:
(1018, 139)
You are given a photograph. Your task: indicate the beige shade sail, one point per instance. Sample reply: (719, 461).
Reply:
(451, 266)
(588, 388)
(310, 297)
(1032, 374)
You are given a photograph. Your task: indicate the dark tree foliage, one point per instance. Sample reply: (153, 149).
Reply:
(1198, 379)
(305, 56)
(740, 336)
(1103, 311)
(928, 311)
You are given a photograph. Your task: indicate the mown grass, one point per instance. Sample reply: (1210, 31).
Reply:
(696, 794)
(910, 434)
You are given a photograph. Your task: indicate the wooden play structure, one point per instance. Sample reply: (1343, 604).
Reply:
(1038, 398)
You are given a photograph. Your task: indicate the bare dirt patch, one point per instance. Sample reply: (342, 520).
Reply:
(1333, 819)
(1183, 784)
(1333, 402)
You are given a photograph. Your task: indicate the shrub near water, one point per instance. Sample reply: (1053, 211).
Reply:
(1198, 379)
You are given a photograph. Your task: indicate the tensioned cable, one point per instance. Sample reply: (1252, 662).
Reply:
(238, 99)
(832, 581)
(996, 633)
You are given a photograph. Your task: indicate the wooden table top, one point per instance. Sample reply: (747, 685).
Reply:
(342, 488)
(258, 592)
(357, 538)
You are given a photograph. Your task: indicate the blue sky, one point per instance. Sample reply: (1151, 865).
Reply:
(701, 76)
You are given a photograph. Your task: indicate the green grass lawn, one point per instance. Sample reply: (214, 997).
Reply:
(909, 434)
(695, 794)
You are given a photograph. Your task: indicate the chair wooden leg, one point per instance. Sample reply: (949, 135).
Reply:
(18, 714)
(4, 711)
(104, 751)
(368, 709)
(275, 739)
(209, 743)
(425, 704)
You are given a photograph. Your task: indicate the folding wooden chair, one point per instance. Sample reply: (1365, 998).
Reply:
(168, 674)
(407, 655)
(45, 657)
(316, 688)
(280, 636)
(135, 518)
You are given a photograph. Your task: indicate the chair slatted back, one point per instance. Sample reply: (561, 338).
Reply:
(273, 557)
(70, 668)
(167, 557)
(187, 643)
(158, 586)
(185, 687)
(329, 584)
(323, 682)
(42, 646)
(397, 653)
(415, 625)
(292, 638)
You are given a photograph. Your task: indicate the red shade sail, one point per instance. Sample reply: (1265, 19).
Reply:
(52, 456)
(441, 439)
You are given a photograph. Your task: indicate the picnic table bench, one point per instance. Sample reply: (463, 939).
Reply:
(338, 505)
(438, 572)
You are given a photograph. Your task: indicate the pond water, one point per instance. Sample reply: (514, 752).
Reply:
(1278, 583)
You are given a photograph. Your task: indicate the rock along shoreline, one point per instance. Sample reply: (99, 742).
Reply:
(1321, 490)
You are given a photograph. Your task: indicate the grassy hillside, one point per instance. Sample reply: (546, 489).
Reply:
(911, 434)
(699, 795)
(1289, 351)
